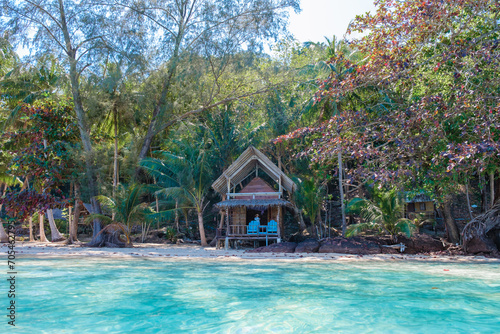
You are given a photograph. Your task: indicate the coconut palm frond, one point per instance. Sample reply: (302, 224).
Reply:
(106, 201)
(405, 226)
(162, 172)
(356, 229)
(168, 214)
(385, 210)
(172, 193)
(96, 216)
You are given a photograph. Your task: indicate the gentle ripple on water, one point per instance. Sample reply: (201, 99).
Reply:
(101, 295)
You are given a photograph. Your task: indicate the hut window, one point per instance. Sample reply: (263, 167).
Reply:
(422, 206)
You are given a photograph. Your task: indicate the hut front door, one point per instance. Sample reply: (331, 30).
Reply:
(251, 214)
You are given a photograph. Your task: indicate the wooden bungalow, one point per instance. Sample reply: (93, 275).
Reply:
(254, 192)
(422, 205)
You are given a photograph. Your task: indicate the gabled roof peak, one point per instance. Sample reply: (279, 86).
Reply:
(250, 159)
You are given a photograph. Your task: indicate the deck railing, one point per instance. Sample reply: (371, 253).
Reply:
(242, 230)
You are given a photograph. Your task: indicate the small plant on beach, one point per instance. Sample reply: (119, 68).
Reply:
(171, 234)
(384, 213)
(128, 209)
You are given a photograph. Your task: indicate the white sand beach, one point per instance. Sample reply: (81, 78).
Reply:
(197, 252)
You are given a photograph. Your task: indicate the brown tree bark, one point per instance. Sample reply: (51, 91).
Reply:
(492, 189)
(221, 225)
(451, 226)
(55, 235)
(32, 238)
(484, 194)
(73, 227)
(115, 155)
(201, 228)
(3, 234)
(43, 238)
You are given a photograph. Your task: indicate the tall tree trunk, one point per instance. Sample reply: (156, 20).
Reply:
(161, 103)
(43, 238)
(468, 199)
(484, 194)
(497, 191)
(201, 227)
(321, 226)
(3, 234)
(82, 125)
(73, 228)
(55, 235)
(115, 157)
(176, 215)
(298, 215)
(32, 238)
(221, 225)
(185, 213)
(451, 226)
(341, 189)
(492, 189)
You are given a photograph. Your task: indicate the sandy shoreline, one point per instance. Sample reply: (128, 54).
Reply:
(197, 252)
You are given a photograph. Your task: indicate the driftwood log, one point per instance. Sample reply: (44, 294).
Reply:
(482, 234)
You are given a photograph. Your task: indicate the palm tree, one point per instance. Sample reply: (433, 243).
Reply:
(309, 197)
(127, 207)
(112, 98)
(186, 176)
(384, 213)
(6, 180)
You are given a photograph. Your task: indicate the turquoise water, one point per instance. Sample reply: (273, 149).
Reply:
(103, 295)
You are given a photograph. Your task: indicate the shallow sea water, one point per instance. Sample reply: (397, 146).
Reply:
(110, 295)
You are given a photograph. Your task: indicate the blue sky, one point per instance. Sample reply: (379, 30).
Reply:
(321, 18)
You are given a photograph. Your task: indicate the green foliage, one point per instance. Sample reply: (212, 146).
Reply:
(309, 197)
(128, 208)
(383, 213)
(185, 174)
(171, 234)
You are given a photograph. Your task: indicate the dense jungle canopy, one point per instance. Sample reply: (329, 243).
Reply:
(136, 107)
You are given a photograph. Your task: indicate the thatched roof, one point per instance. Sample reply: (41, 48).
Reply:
(419, 199)
(245, 164)
(256, 204)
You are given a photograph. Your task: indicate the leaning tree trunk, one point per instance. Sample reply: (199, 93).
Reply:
(55, 235)
(451, 226)
(298, 215)
(221, 225)
(201, 228)
(43, 238)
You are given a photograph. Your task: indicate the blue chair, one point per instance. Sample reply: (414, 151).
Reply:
(272, 227)
(253, 227)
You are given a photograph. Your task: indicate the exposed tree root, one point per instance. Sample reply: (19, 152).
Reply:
(483, 232)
